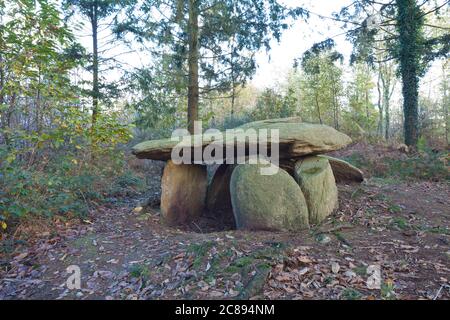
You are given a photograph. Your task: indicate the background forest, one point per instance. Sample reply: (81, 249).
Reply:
(69, 112)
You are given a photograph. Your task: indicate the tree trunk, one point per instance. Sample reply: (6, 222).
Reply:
(193, 87)
(233, 98)
(5, 115)
(366, 94)
(39, 115)
(7, 121)
(408, 28)
(2, 100)
(386, 83)
(445, 106)
(233, 80)
(95, 85)
(386, 103)
(386, 75)
(380, 106)
(410, 104)
(318, 107)
(335, 104)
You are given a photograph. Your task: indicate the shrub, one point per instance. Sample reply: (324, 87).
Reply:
(427, 165)
(65, 188)
(65, 170)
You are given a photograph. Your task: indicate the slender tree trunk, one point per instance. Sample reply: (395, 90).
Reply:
(2, 97)
(2, 88)
(387, 89)
(39, 115)
(335, 104)
(366, 94)
(386, 103)
(445, 106)
(233, 98)
(2, 81)
(385, 81)
(7, 121)
(409, 28)
(446, 124)
(233, 83)
(193, 87)
(4, 115)
(95, 84)
(380, 106)
(318, 107)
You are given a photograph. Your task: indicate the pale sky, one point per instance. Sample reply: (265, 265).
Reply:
(294, 42)
(300, 38)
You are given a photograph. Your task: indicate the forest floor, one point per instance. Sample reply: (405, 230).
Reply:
(402, 227)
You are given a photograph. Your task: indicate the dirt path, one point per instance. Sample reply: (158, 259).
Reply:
(403, 228)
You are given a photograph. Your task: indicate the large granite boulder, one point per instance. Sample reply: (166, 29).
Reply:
(267, 202)
(299, 139)
(315, 177)
(183, 192)
(260, 123)
(295, 140)
(344, 171)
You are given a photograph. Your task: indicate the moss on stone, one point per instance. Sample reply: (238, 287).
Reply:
(267, 202)
(315, 177)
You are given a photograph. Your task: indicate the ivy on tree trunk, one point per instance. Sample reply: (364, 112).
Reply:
(409, 26)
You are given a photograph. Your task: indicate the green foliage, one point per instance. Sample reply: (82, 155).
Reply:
(158, 106)
(321, 86)
(428, 165)
(126, 184)
(231, 31)
(387, 290)
(361, 118)
(400, 223)
(199, 251)
(97, 13)
(402, 33)
(422, 144)
(51, 161)
(432, 166)
(140, 271)
(351, 294)
(30, 192)
(65, 187)
(220, 52)
(271, 104)
(101, 8)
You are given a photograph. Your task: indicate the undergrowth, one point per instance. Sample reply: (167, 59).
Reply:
(422, 165)
(64, 188)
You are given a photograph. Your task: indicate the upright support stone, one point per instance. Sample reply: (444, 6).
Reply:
(218, 195)
(316, 179)
(267, 202)
(183, 192)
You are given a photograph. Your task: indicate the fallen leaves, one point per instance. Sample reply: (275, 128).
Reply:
(138, 209)
(123, 257)
(335, 267)
(304, 259)
(21, 256)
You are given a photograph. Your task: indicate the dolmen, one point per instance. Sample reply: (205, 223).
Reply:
(271, 174)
